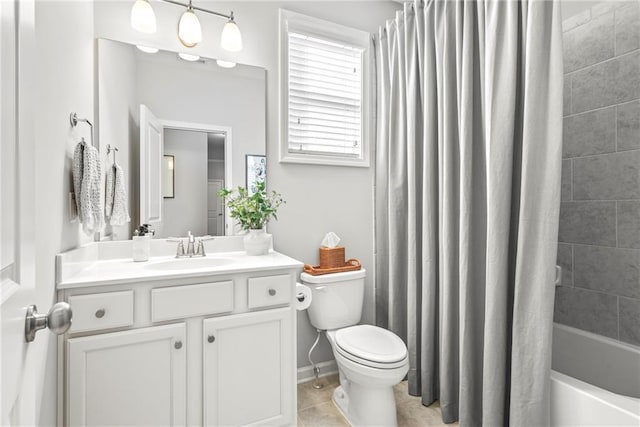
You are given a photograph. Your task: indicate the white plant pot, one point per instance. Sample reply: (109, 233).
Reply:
(257, 242)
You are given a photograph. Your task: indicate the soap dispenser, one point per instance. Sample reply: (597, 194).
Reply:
(141, 246)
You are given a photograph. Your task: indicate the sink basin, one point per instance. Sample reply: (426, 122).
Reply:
(189, 264)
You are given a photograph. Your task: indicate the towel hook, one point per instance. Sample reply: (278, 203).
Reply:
(73, 118)
(111, 148)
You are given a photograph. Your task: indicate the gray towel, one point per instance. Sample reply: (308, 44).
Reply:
(86, 183)
(116, 196)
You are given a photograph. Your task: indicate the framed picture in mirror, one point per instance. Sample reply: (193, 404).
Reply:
(256, 171)
(168, 177)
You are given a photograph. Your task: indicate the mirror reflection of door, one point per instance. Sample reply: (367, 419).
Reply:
(199, 174)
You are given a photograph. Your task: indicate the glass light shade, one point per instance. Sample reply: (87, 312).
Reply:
(231, 38)
(225, 64)
(147, 49)
(189, 30)
(188, 56)
(143, 18)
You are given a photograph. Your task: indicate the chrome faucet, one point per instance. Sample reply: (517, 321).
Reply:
(195, 246)
(190, 244)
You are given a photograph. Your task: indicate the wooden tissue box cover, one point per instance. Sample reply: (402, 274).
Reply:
(332, 257)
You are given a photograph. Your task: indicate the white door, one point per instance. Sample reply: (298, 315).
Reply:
(151, 161)
(130, 378)
(21, 363)
(248, 358)
(215, 208)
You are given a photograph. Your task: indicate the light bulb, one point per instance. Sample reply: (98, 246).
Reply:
(188, 57)
(231, 38)
(143, 18)
(189, 30)
(147, 49)
(225, 64)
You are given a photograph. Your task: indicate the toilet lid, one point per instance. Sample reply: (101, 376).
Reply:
(371, 343)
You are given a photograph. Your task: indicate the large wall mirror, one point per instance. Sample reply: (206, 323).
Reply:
(193, 120)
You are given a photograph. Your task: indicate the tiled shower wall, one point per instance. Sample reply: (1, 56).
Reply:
(599, 235)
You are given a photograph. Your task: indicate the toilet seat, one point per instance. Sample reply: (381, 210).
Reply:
(371, 346)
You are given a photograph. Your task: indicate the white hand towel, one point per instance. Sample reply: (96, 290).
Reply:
(116, 206)
(86, 183)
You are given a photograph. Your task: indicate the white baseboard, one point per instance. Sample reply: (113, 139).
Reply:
(326, 368)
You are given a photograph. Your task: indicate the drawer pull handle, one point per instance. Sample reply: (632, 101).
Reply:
(272, 292)
(178, 345)
(100, 313)
(211, 338)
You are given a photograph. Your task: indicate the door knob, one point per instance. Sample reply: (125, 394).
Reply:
(58, 320)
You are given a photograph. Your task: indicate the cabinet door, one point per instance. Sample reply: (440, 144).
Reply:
(130, 378)
(248, 369)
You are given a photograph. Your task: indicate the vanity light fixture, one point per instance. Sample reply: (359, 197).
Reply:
(231, 38)
(188, 56)
(225, 64)
(143, 19)
(147, 49)
(189, 30)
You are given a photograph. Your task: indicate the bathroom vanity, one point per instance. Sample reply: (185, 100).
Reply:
(196, 341)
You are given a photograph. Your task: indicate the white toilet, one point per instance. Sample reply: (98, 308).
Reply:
(371, 360)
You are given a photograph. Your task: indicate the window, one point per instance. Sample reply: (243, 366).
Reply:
(325, 96)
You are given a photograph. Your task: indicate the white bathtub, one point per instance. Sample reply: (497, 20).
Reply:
(595, 380)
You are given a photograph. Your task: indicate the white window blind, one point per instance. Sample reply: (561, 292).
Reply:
(325, 96)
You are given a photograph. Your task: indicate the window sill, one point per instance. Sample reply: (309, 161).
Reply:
(309, 159)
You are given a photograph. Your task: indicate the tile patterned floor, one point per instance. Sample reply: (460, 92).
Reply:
(316, 409)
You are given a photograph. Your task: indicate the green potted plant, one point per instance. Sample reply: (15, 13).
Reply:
(253, 212)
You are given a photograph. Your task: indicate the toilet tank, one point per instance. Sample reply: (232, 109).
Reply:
(336, 299)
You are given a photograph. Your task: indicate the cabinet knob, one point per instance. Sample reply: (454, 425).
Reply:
(100, 313)
(211, 338)
(272, 292)
(178, 345)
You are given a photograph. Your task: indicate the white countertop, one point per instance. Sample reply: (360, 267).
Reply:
(81, 270)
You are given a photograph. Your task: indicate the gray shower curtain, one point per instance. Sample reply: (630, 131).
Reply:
(467, 177)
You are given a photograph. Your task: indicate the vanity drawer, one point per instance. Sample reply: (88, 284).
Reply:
(178, 302)
(269, 291)
(101, 311)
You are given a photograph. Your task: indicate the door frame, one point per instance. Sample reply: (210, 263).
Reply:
(204, 127)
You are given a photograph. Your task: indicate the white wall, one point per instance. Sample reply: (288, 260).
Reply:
(65, 77)
(188, 209)
(118, 121)
(319, 198)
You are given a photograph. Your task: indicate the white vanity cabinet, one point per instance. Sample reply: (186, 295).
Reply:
(135, 377)
(215, 350)
(247, 379)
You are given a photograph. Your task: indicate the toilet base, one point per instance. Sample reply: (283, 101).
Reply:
(367, 406)
(341, 400)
